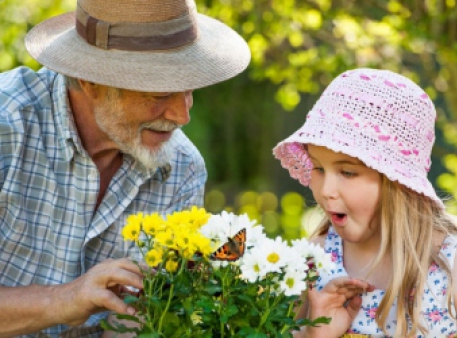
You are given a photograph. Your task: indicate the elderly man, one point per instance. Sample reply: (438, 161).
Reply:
(90, 139)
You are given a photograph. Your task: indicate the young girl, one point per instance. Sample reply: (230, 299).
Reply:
(364, 151)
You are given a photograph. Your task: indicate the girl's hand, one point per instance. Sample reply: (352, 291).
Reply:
(340, 300)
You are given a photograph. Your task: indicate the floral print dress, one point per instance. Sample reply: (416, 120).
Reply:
(434, 302)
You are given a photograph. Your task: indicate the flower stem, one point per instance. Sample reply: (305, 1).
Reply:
(267, 307)
(162, 317)
(289, 312)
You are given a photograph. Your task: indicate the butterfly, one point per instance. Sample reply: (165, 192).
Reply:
(233, 249)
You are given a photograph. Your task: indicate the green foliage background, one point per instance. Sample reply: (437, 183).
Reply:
(297, 47)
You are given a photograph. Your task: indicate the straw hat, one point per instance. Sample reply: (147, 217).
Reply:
(143, 45)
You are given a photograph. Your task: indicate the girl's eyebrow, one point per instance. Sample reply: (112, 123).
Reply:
(352, 162)
(340, 162)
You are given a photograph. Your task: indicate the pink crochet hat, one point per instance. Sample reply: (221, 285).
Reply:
(377, 116)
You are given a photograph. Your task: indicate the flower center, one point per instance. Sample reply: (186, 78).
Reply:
(290, 282)
(273, 257)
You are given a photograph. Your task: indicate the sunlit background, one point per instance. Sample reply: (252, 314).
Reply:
(297, 47)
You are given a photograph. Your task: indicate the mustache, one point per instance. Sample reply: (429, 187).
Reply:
(160, 125)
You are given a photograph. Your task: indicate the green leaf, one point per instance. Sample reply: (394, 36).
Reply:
(213, 289)
(150, 335)
(128, 317)
(116, 327)
(129, 299)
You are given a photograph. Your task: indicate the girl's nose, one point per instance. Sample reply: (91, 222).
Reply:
(178, 107)
(329, 189)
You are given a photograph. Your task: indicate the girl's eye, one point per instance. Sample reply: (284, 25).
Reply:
(348, 174)
(319, 170)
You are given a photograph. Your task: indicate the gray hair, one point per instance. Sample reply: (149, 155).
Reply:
(72, 83)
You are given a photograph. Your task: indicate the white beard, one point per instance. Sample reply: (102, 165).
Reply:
(109, 118)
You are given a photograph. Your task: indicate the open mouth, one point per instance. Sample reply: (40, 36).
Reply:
(338, 218)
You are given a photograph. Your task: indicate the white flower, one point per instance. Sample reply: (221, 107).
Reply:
(220, 227)
(313, 253)
(293, 283)
(303, 247)
(298, 266)
(225, 225)
(252, 267)
(216, 229)
(322, 260)
(275, 253)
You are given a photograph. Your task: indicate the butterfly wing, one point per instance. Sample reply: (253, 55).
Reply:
(240, 240)
(233, 249)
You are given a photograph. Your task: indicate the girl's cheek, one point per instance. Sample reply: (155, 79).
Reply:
(310, 186)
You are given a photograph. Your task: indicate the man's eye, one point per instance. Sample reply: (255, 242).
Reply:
(161, 97)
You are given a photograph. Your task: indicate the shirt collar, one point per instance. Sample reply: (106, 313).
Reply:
(65, 122)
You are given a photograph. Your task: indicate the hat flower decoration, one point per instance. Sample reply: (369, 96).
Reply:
(217, 276)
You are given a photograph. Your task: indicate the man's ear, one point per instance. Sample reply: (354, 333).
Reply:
(91, 89)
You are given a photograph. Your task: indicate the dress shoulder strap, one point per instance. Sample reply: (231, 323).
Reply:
(449, 249)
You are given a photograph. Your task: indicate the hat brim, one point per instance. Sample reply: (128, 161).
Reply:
(218, 54)
(296, 160)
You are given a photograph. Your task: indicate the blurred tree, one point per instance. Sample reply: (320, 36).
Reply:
(16, 19)
(300, 45)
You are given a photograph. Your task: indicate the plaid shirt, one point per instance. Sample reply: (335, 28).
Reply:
(49, 232)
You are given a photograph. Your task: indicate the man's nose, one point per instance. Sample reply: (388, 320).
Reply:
(178, 107)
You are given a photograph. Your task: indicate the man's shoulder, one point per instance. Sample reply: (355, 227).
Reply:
(22, 85)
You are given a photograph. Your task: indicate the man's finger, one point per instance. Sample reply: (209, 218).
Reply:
(105, 299)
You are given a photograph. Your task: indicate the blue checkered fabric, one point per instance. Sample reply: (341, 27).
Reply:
(49, 232)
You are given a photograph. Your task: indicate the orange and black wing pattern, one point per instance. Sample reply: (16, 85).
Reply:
(233, 249)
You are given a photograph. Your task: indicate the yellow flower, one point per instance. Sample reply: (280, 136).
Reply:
(154, 257)
(189, 242)
(193, 218)
(196, 318)
(187, 254)
(153, 223)
(171, 265)
(203, 244)
(198, 217)
(132, 229)
(182, 235)
(178, 218)
(166, 238)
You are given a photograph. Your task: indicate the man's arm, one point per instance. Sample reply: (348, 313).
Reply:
(32, 308)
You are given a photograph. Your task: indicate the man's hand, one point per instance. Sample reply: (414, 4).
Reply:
(98, 290)
(339, 299)
(32, 308)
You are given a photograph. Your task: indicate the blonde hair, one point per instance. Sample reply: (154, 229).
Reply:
(409, 223)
